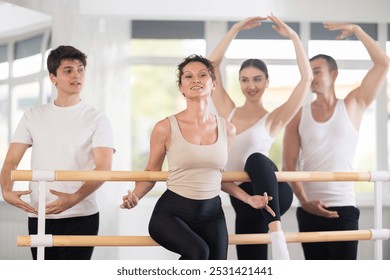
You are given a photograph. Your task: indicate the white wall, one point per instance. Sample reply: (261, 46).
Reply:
(289, 10)
(300, 10)
(16, 19)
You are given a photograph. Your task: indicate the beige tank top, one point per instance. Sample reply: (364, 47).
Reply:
(195, 171)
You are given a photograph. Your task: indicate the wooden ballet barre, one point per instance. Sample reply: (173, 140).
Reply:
(282, 176)
(258, 238)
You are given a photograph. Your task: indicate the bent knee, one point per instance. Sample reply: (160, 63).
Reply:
(200, 252)
(257, 160)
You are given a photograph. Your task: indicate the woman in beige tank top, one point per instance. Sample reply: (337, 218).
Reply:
(188, 218)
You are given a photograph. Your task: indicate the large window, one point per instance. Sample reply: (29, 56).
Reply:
(23, 83)
(152, 99)
(4, 124)
(155, 53)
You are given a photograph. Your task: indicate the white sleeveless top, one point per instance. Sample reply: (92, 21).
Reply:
(195, 171)
(252, 140)
(328, 146)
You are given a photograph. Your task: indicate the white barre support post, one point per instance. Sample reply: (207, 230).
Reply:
(378, 177)
(42, 176)
(378, 244)
(42, 240)
(41, 218)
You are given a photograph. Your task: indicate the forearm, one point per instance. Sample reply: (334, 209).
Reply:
(87, 189)
(142, 188)
(235, 191)
(219, 52)
(297, 97)
(5, 178)
(299, 192)
(377, 54)
(297, 187)
(302, 61)
(103, 162)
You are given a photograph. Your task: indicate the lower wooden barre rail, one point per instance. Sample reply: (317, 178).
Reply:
(291, 237)
(282, 176)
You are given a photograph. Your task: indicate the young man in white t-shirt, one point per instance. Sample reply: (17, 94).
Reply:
(65, 134)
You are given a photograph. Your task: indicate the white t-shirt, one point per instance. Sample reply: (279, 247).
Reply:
(62, 138)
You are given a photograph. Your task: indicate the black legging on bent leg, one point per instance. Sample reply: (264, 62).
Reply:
(194, 229)
(261, 171)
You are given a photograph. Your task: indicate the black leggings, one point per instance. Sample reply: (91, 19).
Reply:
(261, 171)
(87, 225)
(341, 250)
(194, 229)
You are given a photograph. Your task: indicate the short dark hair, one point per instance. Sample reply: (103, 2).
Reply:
(195, 58)
(64, 52)
(332, 64)
(256, 63)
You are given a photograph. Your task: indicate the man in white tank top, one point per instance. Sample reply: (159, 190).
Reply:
(323, 135)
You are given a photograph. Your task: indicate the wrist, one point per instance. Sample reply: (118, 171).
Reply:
(355, 28)
(235, 28)
(77, 197)
(295, 36)
(138, 195)
(304, 202)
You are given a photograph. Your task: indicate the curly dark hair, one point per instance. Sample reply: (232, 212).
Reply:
(195, 58)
